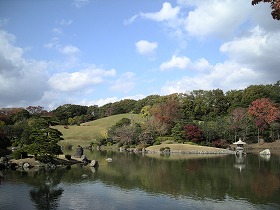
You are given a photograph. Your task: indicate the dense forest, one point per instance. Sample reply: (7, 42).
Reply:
(205, 117)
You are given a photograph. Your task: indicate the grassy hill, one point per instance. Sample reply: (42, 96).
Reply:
(91, 131)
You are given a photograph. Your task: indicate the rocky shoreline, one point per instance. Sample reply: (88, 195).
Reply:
(30, 163)
(166, 149)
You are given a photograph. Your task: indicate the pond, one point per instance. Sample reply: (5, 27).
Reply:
(136, 181)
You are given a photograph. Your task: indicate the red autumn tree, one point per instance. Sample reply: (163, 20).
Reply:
(275, 6)
(193, 133)
(264, 112)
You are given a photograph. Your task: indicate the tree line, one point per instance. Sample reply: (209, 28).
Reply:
(206, 117)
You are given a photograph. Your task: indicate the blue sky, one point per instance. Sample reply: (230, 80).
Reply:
(91, 52)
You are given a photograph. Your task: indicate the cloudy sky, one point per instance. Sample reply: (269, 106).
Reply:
(99, 51)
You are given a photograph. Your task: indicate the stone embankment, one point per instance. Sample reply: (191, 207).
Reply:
(186, 149)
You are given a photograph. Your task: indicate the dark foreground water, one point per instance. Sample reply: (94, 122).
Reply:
(148, 182)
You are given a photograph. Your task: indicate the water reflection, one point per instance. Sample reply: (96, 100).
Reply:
(265, 157)
(239, 162)
(47, 195)
(187, 179)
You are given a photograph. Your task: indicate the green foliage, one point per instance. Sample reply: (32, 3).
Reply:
(161, 149)
(146, 111)
(20, 116)
(66, 111)
(40, 139)
(178, 132)
(157, 143)
(217, 115)
(148, 101)
(164, 139)
(123, 122)
(4, 140)
(45, 158)
(19, 154)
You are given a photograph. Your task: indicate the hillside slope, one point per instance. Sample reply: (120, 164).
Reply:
(91, 131)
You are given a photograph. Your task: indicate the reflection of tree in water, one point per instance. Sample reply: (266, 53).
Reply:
(264, 185)
(46, 196)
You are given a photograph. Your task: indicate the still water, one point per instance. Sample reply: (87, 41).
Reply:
(134, 181)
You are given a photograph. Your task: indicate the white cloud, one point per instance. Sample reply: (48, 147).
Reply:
(3, 21)
(21, 80)
(103, 101)
(64, 22)
(226, 76)
(134, 97)
(216, 17)
(57, 31)
(53, 44)
(131, 19)
(69, 50)
(80, 3)
(165, 14)
(125, 83)
(175, 62)
(201, 65)
(146, 48)
(259, 50)
(74, 81)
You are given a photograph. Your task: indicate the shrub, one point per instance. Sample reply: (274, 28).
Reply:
(165, 139)
(44, 158)
(220, 143)
(125, 146)
(19, 154)
(140, 147)
(68, 157)
(204, 143)
(161, 149)
(157, 142)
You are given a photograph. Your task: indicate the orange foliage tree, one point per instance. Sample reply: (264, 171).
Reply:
(264, 112)
(167, 112)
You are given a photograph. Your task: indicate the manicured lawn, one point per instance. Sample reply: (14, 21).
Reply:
(92, 131)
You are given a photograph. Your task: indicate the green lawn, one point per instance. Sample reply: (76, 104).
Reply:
(91, 131)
